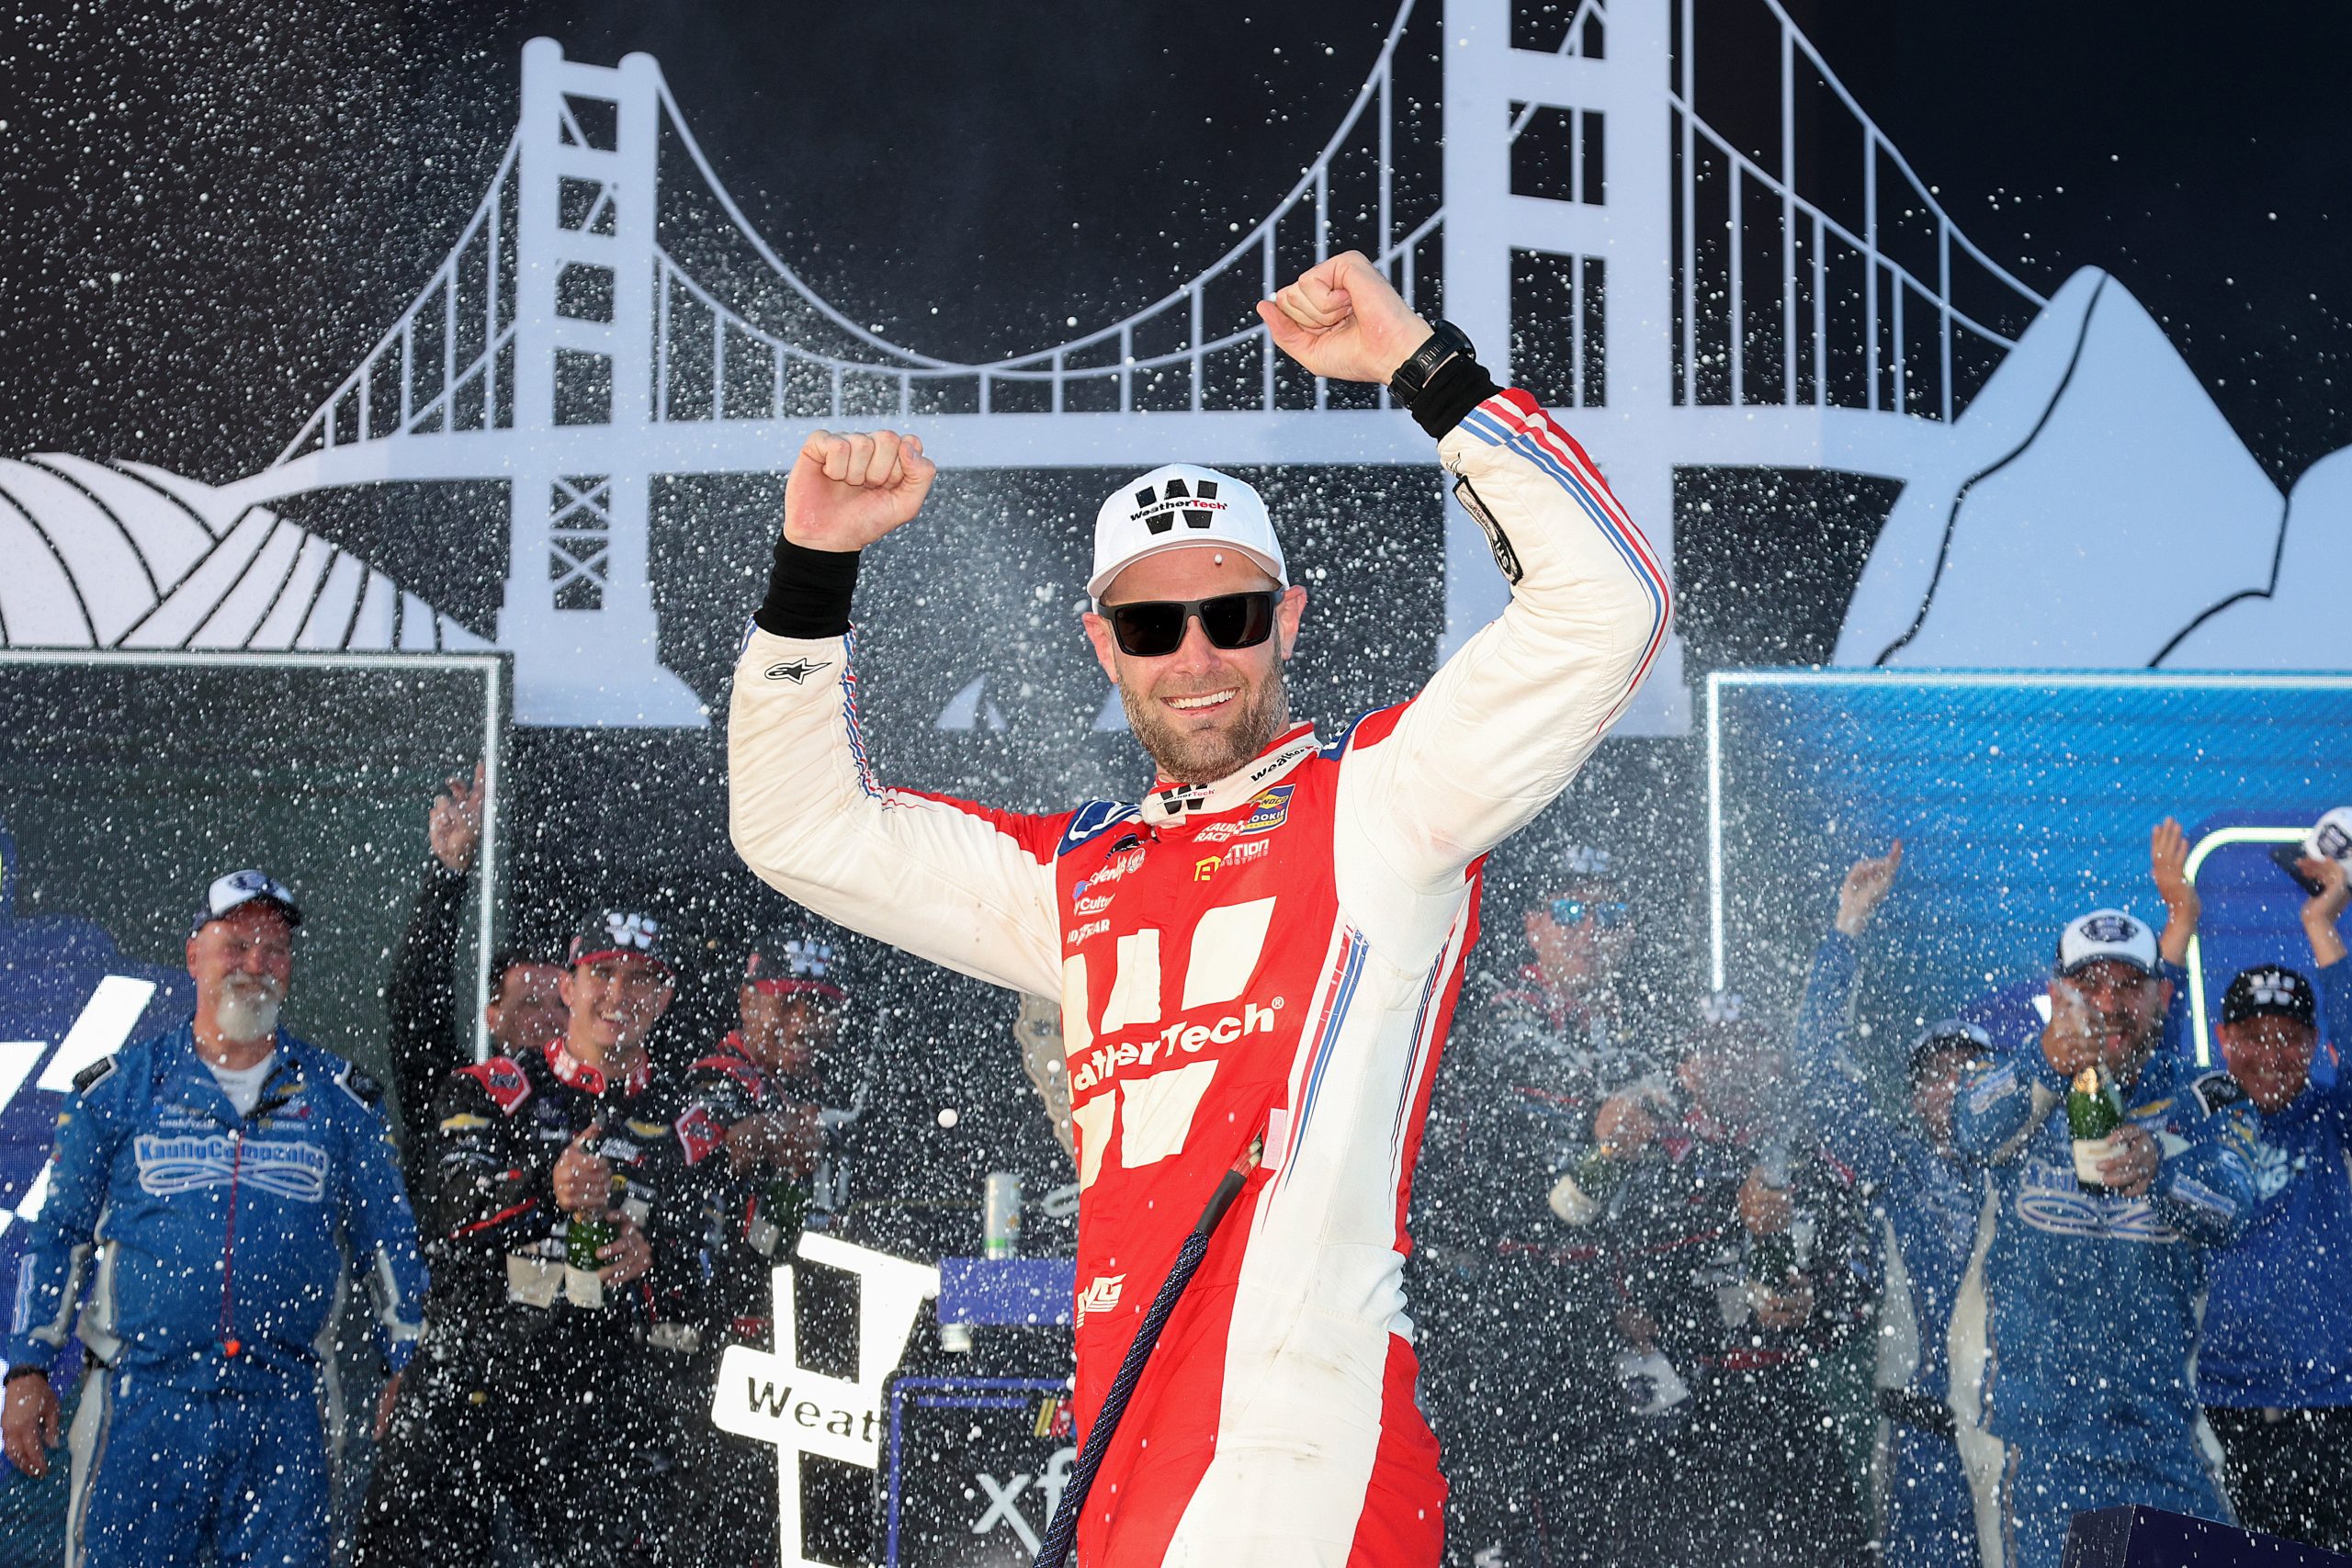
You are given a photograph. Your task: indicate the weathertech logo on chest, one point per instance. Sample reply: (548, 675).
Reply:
(1104, 1062)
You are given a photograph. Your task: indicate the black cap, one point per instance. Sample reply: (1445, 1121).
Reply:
(785, 961)
(2269, 990)
(240, 888)
(618, 934)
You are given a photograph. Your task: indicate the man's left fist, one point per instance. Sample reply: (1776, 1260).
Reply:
(1343, 321)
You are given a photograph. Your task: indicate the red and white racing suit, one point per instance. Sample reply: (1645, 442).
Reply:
(1272, 955)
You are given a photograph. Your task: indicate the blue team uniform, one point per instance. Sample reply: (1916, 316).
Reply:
(2279, 1324)
(2089, 1307)
(1926, 1204)
(191, 1230)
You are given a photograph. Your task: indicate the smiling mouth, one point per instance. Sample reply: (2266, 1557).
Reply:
(1200, 702)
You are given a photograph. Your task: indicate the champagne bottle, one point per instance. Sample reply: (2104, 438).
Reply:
(1772, 1261)
(583, 1239)
(1583, 1188)
(2093, 1112)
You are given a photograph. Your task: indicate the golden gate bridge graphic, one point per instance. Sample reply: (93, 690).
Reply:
(1698, 303)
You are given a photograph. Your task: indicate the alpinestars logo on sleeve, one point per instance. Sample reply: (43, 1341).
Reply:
(1158, 511)
(795, 670)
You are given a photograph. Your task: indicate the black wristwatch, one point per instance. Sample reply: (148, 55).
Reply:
(1412, 378)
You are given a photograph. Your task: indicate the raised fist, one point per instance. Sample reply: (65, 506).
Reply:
(1343, 321)
(848, 490)
(1867, 884)
(453, 828)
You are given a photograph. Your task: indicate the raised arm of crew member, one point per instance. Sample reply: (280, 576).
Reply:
(420, 993)
(1836, 1087)
(2333, 977)
(955, 883)
(1504, 725)
(2168, 869)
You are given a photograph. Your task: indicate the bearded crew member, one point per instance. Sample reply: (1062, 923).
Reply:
(1263, 954)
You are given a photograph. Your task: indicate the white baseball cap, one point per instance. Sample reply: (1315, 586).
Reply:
(2331, 837)
(1175, 506)
(2103, 935)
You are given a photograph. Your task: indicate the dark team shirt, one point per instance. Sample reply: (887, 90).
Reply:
(494, 1238)
(756, 1217)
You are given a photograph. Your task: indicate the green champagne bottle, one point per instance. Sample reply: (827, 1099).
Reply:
(1772, 1261)
(1600, 1170)
(2093, 1112)
(583, 1239)
(780, 1215)
(1583, 1189)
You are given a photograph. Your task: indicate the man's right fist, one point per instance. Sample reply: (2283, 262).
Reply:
(1867, 884)
(848, 490)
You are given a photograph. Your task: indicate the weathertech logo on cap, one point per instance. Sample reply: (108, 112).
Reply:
(1196, 503)
(629, 931)
(1176, 505)
(2270, 991)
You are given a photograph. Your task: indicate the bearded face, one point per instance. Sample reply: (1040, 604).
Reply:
(242, 964)
(248, 1005)
(1203, 711)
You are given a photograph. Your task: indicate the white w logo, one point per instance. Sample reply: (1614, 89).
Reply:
(1160, 1108)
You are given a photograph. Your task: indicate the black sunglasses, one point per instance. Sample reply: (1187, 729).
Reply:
(1153, 628)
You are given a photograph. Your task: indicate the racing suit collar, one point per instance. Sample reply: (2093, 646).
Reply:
(591, 1080)
(1175, 803)
(286, 1074)
(736, 1062)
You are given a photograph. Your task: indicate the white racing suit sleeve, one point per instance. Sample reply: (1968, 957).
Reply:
(960, 885)
(1505, 724)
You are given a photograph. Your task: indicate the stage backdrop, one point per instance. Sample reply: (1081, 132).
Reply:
(2021, 801)
(128, 782)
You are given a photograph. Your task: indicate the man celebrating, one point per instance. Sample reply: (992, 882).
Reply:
(1260, 957)
(221, 1183)
(563, 1225)
(2075, 1342)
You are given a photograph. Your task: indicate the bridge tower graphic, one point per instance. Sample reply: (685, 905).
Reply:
(1794, 296)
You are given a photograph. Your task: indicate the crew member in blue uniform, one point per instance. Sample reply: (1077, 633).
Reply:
(216, 1188)
(1924, 1199)
(2276, 1372)
(2075, 1339)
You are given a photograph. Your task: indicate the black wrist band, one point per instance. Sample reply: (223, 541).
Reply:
(1460, 384)
(16, 1372)
(809, 592)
